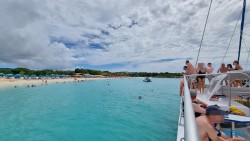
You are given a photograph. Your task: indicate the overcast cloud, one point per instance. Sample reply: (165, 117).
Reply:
(125, 35)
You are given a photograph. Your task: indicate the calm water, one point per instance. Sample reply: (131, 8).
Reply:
(104, 110)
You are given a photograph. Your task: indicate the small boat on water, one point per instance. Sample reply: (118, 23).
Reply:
(147, 79)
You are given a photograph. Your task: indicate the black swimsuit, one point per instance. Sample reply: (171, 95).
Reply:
(196, 114)
(202, 76)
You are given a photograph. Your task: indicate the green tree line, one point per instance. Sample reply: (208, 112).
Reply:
(26, 71)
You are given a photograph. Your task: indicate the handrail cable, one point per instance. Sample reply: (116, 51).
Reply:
(203, 33)
(231, 37)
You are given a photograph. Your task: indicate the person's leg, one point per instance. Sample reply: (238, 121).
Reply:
(203, 84)
(199, 84)
(238, 83)
(209, 77)
(233, 84)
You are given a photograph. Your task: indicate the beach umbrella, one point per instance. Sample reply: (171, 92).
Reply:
(1, 74)
(17, 75)
(10, 75)
(40, 76)
(32, 76)
(46, 76)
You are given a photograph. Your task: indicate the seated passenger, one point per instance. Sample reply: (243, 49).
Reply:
(237, 67)
(198, 110)
(229, 67)
(207, 125)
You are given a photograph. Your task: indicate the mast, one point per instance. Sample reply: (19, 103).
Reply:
(242, 26)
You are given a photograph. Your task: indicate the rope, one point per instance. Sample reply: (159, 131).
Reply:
(246, 34)
(203, 34)
(231, 38)
(245, 45)
(248, 50)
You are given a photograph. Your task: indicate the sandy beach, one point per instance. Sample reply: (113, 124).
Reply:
(22, 82)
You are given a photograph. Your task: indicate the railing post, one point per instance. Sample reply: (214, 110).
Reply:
(190, 128)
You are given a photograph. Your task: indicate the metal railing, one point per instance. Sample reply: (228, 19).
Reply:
(190, 128)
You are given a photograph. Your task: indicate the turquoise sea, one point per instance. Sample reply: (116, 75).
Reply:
(102, 110)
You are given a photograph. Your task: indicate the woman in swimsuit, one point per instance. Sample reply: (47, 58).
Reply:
(201, 78)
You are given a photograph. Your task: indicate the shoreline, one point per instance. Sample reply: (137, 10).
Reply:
(12, 83)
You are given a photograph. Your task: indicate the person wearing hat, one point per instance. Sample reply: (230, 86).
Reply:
(207, 125)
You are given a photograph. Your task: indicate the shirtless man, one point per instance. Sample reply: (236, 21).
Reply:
(214, 115)
(185, 69)
(190, 68)
(209, 70)
(223, 68)
(182, 80)
(237, 65)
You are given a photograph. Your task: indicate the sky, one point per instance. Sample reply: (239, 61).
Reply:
(120, 35)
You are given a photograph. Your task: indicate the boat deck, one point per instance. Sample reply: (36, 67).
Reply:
(180, 125)
(223, 103)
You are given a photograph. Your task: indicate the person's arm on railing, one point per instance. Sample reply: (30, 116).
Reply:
(202, 103)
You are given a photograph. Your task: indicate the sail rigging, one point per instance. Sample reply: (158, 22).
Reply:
(242, 27)
(203, 33)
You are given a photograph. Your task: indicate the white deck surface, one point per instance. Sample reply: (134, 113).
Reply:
(223, 103)
(180, 133)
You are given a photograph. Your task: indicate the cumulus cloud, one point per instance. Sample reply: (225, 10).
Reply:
(149, 35)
